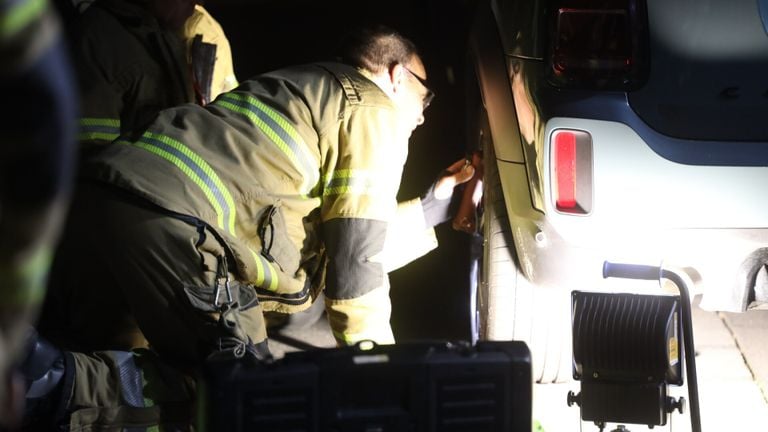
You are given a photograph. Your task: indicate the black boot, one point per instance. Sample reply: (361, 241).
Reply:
(49, 375)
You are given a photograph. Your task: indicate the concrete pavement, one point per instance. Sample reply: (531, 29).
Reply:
(732, 365)
(749, 332)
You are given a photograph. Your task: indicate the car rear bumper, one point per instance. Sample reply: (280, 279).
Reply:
(721, 264)
(709, 221)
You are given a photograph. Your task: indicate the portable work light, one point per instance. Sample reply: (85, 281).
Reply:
(627, 351)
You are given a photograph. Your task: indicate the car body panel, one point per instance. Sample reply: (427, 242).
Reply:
(648, 209)
(708, 71)
(517, 20)
(635, 186)
(691, 199)
(495, 90)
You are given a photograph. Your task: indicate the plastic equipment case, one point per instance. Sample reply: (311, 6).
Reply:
(369, 388)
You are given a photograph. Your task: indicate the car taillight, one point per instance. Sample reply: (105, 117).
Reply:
(572, 171)
(597, 44)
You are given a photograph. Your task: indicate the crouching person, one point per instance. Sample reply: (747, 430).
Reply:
(181, 238)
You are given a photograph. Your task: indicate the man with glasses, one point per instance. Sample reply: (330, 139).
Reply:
(278, 191)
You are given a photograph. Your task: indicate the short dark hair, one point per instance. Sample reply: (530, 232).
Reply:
(376, 48)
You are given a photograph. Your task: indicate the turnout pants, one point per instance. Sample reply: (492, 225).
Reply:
(129, 276)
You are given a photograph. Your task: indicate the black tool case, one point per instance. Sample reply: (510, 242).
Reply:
(405, 387)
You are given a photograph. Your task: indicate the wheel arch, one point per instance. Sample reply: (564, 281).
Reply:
(488, 59)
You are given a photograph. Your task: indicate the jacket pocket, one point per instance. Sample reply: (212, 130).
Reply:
(276, 246)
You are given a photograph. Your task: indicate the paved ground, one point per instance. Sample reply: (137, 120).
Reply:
(732, 364)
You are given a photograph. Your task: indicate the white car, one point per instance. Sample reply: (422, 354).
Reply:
(625, 130)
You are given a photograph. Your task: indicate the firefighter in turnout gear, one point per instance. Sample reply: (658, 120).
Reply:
(279, 190)
(209, 56)
(36, 166)
(131, 62)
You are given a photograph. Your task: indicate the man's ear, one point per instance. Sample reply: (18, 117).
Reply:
(396, 76)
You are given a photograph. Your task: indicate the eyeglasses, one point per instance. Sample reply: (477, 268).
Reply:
(427, 99)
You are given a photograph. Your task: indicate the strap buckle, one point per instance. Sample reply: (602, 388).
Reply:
(222, 281)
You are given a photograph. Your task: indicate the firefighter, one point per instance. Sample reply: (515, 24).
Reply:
(37, 136)
(131, 62)
(209, 56)
(284, 188)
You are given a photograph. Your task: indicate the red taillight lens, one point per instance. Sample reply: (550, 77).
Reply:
(572, 171)
(597, 44)
(565, 170)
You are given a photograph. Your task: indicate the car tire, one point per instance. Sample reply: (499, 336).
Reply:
(508, 306)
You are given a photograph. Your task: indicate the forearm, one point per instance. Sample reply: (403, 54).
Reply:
(408, 237)
(362, 318)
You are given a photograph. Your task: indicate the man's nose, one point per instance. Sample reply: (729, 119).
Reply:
(420, 120)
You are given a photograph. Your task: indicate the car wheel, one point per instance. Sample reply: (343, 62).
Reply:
(508, 306)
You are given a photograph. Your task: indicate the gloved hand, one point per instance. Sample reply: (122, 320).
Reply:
(437, 200)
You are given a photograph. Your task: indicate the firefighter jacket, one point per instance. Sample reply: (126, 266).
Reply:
(210, 56)
(36, 145)
(298, 171)
(129, 68)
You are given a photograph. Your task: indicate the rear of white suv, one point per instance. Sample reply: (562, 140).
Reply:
(624, 130)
